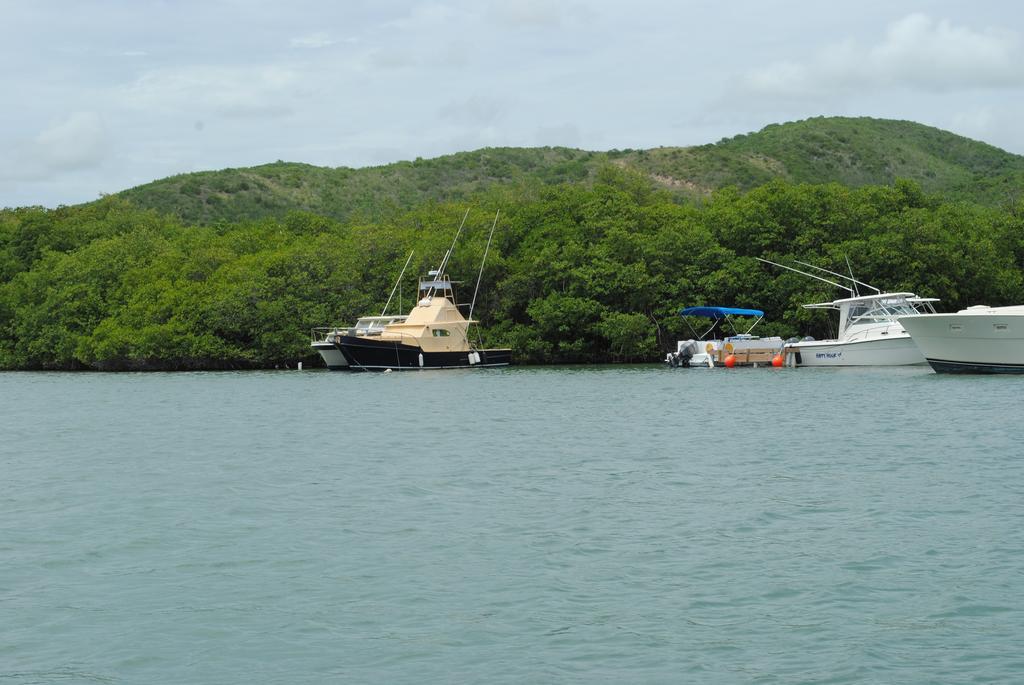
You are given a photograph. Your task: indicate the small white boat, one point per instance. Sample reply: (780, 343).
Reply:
(979, 339)
(327, 339)
(737, 349)
(869, 331)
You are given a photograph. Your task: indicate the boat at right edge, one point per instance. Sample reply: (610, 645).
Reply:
(979, 339)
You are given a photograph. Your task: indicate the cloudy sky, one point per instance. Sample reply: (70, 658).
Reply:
(104, 95)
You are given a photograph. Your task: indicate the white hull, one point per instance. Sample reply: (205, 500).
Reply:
(892, 350)
(977, 340)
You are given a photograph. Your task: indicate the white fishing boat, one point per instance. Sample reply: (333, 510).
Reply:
(869, 332)
(979, 339)
(707, 350)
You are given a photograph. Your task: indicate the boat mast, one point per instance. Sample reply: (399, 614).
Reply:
(482, 262)
(397, 283)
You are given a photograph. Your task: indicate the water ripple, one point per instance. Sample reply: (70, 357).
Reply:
(630, 524)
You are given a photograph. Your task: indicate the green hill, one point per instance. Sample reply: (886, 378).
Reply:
(851, 151)
(274, 190)
(854, 152)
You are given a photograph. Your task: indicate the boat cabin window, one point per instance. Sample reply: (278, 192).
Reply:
(879, 311)
(440, 333)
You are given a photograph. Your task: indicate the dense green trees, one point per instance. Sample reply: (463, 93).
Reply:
(576, 273)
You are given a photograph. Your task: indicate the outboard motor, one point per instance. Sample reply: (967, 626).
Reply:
(682, 356)
(686, 352)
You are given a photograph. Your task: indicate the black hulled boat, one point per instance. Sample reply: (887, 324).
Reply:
(434, 335)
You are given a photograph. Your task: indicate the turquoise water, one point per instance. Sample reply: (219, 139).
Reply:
(587, 525)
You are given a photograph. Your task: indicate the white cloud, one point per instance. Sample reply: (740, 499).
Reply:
(978, 119)
(79, 141)
(429, 18)
(937, 55)
(313, 41)
(917, 53)
(563, 135)
(989, 122)
(231, 91)
(474, 111)
(526, 13)
(396, 58)
(540, 14)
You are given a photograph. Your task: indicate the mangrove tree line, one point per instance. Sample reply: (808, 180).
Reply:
(577, 273)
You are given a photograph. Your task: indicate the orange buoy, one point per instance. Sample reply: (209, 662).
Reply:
(730, 361)
(777, 361)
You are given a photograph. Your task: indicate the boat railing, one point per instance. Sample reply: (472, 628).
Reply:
(321, 333)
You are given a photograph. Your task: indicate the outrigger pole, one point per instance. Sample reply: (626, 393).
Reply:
(849, 278)
(383, 311)
(448, 254)
(482, 262)
(804, 273)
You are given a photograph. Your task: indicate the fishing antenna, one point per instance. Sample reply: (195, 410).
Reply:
(849, 278)
(482, 262)
(397, 283)
(448, 254)
(849, 268)
(804, 273)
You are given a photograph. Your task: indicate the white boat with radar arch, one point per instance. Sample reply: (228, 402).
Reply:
(869, 334)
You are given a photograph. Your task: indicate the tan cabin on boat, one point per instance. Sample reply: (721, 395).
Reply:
(434, 324)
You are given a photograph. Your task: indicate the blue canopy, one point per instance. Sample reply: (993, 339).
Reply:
(719, 312)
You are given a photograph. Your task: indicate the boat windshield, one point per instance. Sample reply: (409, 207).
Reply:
(880, 311)
(376, 323)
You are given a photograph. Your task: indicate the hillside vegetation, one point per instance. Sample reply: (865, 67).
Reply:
(852, 151)
(274, 190)
(589, 272)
